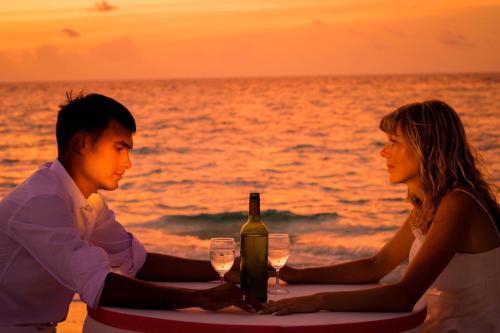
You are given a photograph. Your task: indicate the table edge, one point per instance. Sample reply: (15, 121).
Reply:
(140, 323)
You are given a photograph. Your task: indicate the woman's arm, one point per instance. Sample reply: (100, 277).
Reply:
(367, 270)
(379, 299)
(444, 238)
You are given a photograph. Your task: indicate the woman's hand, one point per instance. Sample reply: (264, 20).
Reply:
(288, 274)
(286, 306)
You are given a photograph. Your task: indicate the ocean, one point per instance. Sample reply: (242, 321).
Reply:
(309, 145)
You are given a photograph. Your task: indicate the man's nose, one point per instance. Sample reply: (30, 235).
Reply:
(127, 162)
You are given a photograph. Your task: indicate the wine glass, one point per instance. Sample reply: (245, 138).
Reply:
(279, 250)
(222, 255)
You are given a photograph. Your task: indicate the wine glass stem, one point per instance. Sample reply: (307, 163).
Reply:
(221, 278)
(277, 286)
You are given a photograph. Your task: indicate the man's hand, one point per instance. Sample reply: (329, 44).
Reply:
(224, 295)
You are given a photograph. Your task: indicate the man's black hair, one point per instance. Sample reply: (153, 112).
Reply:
(90, 113)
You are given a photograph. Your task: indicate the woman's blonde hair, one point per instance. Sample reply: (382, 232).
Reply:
(447, 160)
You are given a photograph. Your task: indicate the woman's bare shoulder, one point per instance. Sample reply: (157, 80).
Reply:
(457, 204)
(465, 208)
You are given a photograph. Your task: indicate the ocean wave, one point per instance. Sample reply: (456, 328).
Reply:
(206, 226)
(228, 224)
(302, 147)
(146, 151)
(340, 253)
(393, 199)
(268, 215)
(329, 189)
(178, 150)
(355, 202)
(349, 229)
(175, 182)
(308, 148)
(242, 182)
(186, 207)
(148, 173)
(488, 146)
(9, 161)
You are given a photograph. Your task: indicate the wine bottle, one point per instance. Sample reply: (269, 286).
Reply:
(253, 254)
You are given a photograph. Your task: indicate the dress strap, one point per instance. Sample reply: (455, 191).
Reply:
(482, 206)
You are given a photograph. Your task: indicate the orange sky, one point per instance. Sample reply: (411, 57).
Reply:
(55, 39)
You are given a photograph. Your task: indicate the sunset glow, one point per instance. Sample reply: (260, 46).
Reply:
(55, 40)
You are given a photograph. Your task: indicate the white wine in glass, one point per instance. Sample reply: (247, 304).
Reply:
(222, 255)
(279, 250)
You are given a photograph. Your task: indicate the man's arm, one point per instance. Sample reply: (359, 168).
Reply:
(161, 267)
(122, 291)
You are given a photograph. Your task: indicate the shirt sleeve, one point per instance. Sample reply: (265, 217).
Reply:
(45, 227)
(126, 254)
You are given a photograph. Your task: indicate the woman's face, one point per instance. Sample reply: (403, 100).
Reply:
(402, 162)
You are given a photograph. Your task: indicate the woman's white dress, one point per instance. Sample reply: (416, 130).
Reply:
(466, 295)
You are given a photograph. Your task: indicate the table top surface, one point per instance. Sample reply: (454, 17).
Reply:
(233, 316)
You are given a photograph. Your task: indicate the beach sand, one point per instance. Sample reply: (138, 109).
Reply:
(75, 319)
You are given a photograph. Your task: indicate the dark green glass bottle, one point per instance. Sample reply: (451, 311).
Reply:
(253, 254)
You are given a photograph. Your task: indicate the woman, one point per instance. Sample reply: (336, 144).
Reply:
(451, 236)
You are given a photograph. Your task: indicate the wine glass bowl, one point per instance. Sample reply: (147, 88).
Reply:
(222, 255)
(278, 252)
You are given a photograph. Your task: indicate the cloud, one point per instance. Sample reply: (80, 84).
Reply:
(380, 46)
(103, 6)
(454, 39)
(113, 59)
(317, 23)
(124, 46)
(6, 67)
(70, 33)
(47, 52)
(396, 32)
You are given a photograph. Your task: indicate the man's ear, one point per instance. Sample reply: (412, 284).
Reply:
(80, 142)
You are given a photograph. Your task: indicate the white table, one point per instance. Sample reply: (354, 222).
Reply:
(233, 319)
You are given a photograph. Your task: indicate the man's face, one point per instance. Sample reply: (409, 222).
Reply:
(105, 160)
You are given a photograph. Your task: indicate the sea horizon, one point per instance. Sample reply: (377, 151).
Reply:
(263, 76)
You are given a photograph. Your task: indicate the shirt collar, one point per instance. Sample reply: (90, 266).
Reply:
(79, 200)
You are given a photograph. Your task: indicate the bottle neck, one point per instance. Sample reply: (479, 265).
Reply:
(254, 210)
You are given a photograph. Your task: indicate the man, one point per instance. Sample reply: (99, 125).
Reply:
(58, 236)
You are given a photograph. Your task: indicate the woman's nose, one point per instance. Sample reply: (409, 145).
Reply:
(383, 152)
